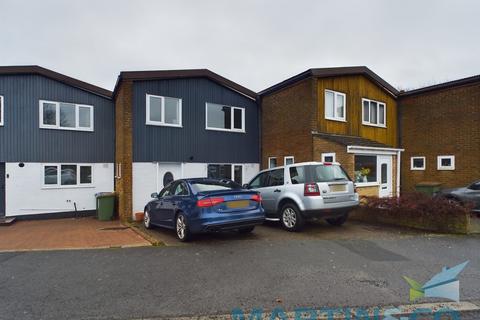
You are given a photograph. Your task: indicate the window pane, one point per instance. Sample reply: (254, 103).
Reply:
(366, 111)
(418, 163)
(67, 115)
(50, 175)
(275, 178)
(84, 120)
(49, 113)
(155, 109)
(85, 174)
(272, 162)
(365, 169)
(219, 116)
(68, 175)
(381, 114)
(288, 161)
(323, 173)
(217, 171)
(237, 119)
(446, 162)
(373, 112)
(329, 105)
(172, 110)
(237, 177)
(297, 175)
(260, 181)
(340, 106)
(328, 159)
(383, 170)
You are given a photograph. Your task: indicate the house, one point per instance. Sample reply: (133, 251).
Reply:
(56, 143)
(344, 114)
(180, 124)
(440, 131)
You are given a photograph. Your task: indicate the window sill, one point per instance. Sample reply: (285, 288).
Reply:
(335, 119)
(68, 187)
(159, 124)
(225, 130)
(374, 125)
(417, 169)
(67, 129)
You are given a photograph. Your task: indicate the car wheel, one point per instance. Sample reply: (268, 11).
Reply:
(291, 218)
(338, 221)
(147, 220)
(246, 229)
(181, 228)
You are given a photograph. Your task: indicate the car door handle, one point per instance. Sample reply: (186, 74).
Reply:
(277, 190)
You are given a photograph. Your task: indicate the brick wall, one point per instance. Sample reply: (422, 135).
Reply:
(123, 149)
(442, 122)
(288, 118)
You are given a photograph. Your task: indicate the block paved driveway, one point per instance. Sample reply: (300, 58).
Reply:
(78, 233)
(355, 265)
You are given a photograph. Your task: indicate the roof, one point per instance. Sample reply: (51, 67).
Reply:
(14, 70)
(182, 74)
(447, 275)
(442, 86)
(350, 140)
(333, 72)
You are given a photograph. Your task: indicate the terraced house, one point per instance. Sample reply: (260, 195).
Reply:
(346, 114)
(56, 143)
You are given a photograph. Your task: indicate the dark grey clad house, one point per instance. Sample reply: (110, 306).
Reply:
(180, 124)
(56, 142)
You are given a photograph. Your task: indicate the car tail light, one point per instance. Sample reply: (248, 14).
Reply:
(256, 198)
(311, 189)
(209, 202)
(327, 163)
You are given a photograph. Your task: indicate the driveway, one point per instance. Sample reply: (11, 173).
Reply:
(75, 233)
(355, 265)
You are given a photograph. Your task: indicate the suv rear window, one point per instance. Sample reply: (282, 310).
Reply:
(317, 173)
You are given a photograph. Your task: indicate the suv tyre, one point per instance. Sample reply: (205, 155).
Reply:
(291, 217)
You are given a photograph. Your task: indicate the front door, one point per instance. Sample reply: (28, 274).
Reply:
(385, 176)
(167, 172)
(2, 189)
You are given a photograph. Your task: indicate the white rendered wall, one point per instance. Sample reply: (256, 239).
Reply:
(25, 193)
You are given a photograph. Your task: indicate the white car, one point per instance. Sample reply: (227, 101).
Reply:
(297, 192)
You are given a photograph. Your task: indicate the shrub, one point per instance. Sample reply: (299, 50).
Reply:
(418, 204)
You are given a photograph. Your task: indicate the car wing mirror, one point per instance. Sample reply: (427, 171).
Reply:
(246, 186)
(154, 195)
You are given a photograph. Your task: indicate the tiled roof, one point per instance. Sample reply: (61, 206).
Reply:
(351, 140)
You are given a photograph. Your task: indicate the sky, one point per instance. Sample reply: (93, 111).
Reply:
(256, 43)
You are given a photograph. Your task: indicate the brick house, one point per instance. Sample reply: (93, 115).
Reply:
(440, 131)
(344, 114)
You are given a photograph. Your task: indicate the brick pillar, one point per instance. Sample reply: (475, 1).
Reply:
(123, 149)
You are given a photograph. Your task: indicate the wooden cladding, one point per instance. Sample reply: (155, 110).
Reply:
(356, 88)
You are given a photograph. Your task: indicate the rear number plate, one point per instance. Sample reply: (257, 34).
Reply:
(238, 204)
(338, 187)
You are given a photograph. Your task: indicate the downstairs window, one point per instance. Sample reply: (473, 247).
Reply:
(67, 175)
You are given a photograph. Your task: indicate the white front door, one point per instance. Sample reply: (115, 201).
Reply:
(167, 172)
(384, 165)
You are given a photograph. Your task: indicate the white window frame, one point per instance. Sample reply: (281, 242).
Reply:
(231, 121)
(371, 183)
(288, 157)
(329, 154)
(416, 158)
(162, 112)
(452, 161)
(232, 173)
(2, 110)
(335, 94)
(58, 185)
(369, 123)
(57, 114)
(271, 158)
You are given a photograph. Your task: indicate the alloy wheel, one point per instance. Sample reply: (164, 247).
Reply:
(289, 218)
(181, 227)
(146, 219)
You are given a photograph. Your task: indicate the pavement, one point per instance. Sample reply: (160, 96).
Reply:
(74, 233)
(354, 265)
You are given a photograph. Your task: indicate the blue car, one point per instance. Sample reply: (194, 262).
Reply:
(203, 205)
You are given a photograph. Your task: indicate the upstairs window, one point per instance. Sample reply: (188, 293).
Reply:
(1, 111)
(66, 116)
(335, 105)
(225, 118)
(374, 113)
(67, 175)
(164, 111)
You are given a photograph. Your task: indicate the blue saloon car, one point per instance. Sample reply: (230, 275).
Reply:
(204, 205)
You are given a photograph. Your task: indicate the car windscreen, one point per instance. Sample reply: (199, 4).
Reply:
(328, 173)
(209, 186)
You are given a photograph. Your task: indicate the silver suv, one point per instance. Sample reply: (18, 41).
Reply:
(297, 192)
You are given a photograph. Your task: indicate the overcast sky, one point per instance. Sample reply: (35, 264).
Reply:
(255, 43)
